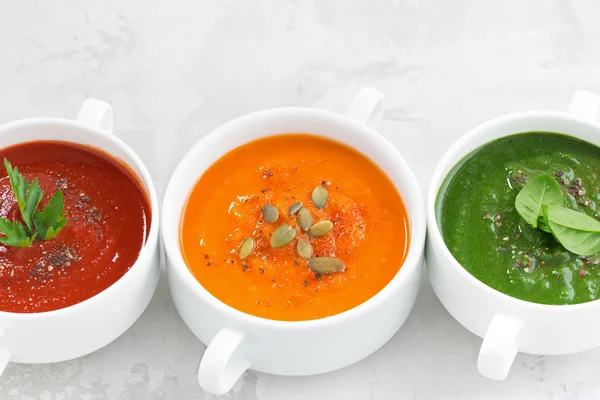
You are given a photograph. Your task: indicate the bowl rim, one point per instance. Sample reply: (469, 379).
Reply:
(171, 226)
(145, 179)
(442, 170)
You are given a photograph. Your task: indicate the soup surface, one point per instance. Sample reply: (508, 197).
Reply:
(488, 237)
(370, 233)
(108, 221)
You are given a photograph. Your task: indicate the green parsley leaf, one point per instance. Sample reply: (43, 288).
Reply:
(16, 234)
(47, 223)
(34, 196)
(50, 221)
(18, 184)
(28, 195)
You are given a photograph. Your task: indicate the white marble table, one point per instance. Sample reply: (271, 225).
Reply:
(174, 70)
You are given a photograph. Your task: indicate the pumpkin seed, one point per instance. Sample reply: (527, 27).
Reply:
(246, 248)
(304, 218)
(295, 207)
(304, 248)
(270, 213)
(319, 196)
(326, 265)
(282, 236)
(320, 229)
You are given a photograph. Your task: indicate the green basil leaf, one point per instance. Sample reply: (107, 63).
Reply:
(575, 231)
(543, 219)
(543, 225)
(542, 189)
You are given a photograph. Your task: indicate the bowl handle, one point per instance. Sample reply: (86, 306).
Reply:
(367, 107)
(223, 362)
(96, 113)
(4, 354)
(500, 346)
(585, 105)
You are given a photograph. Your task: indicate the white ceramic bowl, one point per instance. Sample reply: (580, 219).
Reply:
(238, 341)
(509, 325)
(82, 328)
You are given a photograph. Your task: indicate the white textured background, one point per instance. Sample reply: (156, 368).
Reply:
(174, 70)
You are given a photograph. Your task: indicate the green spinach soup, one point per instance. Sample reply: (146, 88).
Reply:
(520, 214)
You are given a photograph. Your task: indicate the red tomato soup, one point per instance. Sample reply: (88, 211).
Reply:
(108, 222)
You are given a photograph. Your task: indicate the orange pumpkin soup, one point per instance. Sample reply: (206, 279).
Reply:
(245, 239)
